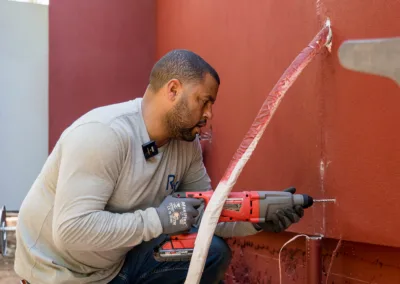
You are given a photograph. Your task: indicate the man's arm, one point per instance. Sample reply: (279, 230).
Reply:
(92, 156)
(196, 179)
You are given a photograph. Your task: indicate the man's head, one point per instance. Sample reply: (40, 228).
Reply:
(187, 86)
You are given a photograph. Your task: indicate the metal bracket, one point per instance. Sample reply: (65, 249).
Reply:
(4, 230)
(3, 233)
(380, 56)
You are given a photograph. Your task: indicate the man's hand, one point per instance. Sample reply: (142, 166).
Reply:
(178, 214)
(283, 218)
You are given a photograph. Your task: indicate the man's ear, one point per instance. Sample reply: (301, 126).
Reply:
(174, 88)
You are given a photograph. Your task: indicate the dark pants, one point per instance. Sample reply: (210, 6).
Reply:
(141, 267)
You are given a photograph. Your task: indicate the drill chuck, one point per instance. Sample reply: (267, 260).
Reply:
(303, 199)
(308, 201)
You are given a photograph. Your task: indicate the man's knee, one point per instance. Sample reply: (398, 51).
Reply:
(221, 252)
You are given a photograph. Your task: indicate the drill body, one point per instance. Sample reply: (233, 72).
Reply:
(245, 206)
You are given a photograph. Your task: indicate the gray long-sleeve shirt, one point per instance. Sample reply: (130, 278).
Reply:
(96, 195)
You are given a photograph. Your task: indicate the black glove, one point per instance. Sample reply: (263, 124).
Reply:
(282, 218)
(178, 214)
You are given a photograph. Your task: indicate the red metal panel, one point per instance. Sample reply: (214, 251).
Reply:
(101, 52)
(334, 133)
(255, 260)
(361, 148)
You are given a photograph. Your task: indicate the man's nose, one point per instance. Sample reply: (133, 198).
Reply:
(208, 112)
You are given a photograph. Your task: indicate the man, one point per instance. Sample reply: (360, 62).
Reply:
(100, 203)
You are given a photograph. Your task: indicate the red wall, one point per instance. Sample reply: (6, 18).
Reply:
(335, 134)
(101, 52)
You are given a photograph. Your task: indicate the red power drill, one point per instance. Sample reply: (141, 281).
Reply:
(247, 206)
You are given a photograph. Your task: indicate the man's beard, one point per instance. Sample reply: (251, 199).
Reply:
(178, 124)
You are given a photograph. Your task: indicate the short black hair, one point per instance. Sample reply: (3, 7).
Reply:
(180, 64)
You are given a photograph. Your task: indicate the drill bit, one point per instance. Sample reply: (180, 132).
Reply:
(325, 200)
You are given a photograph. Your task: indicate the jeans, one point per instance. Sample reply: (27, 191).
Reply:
(141, 267)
